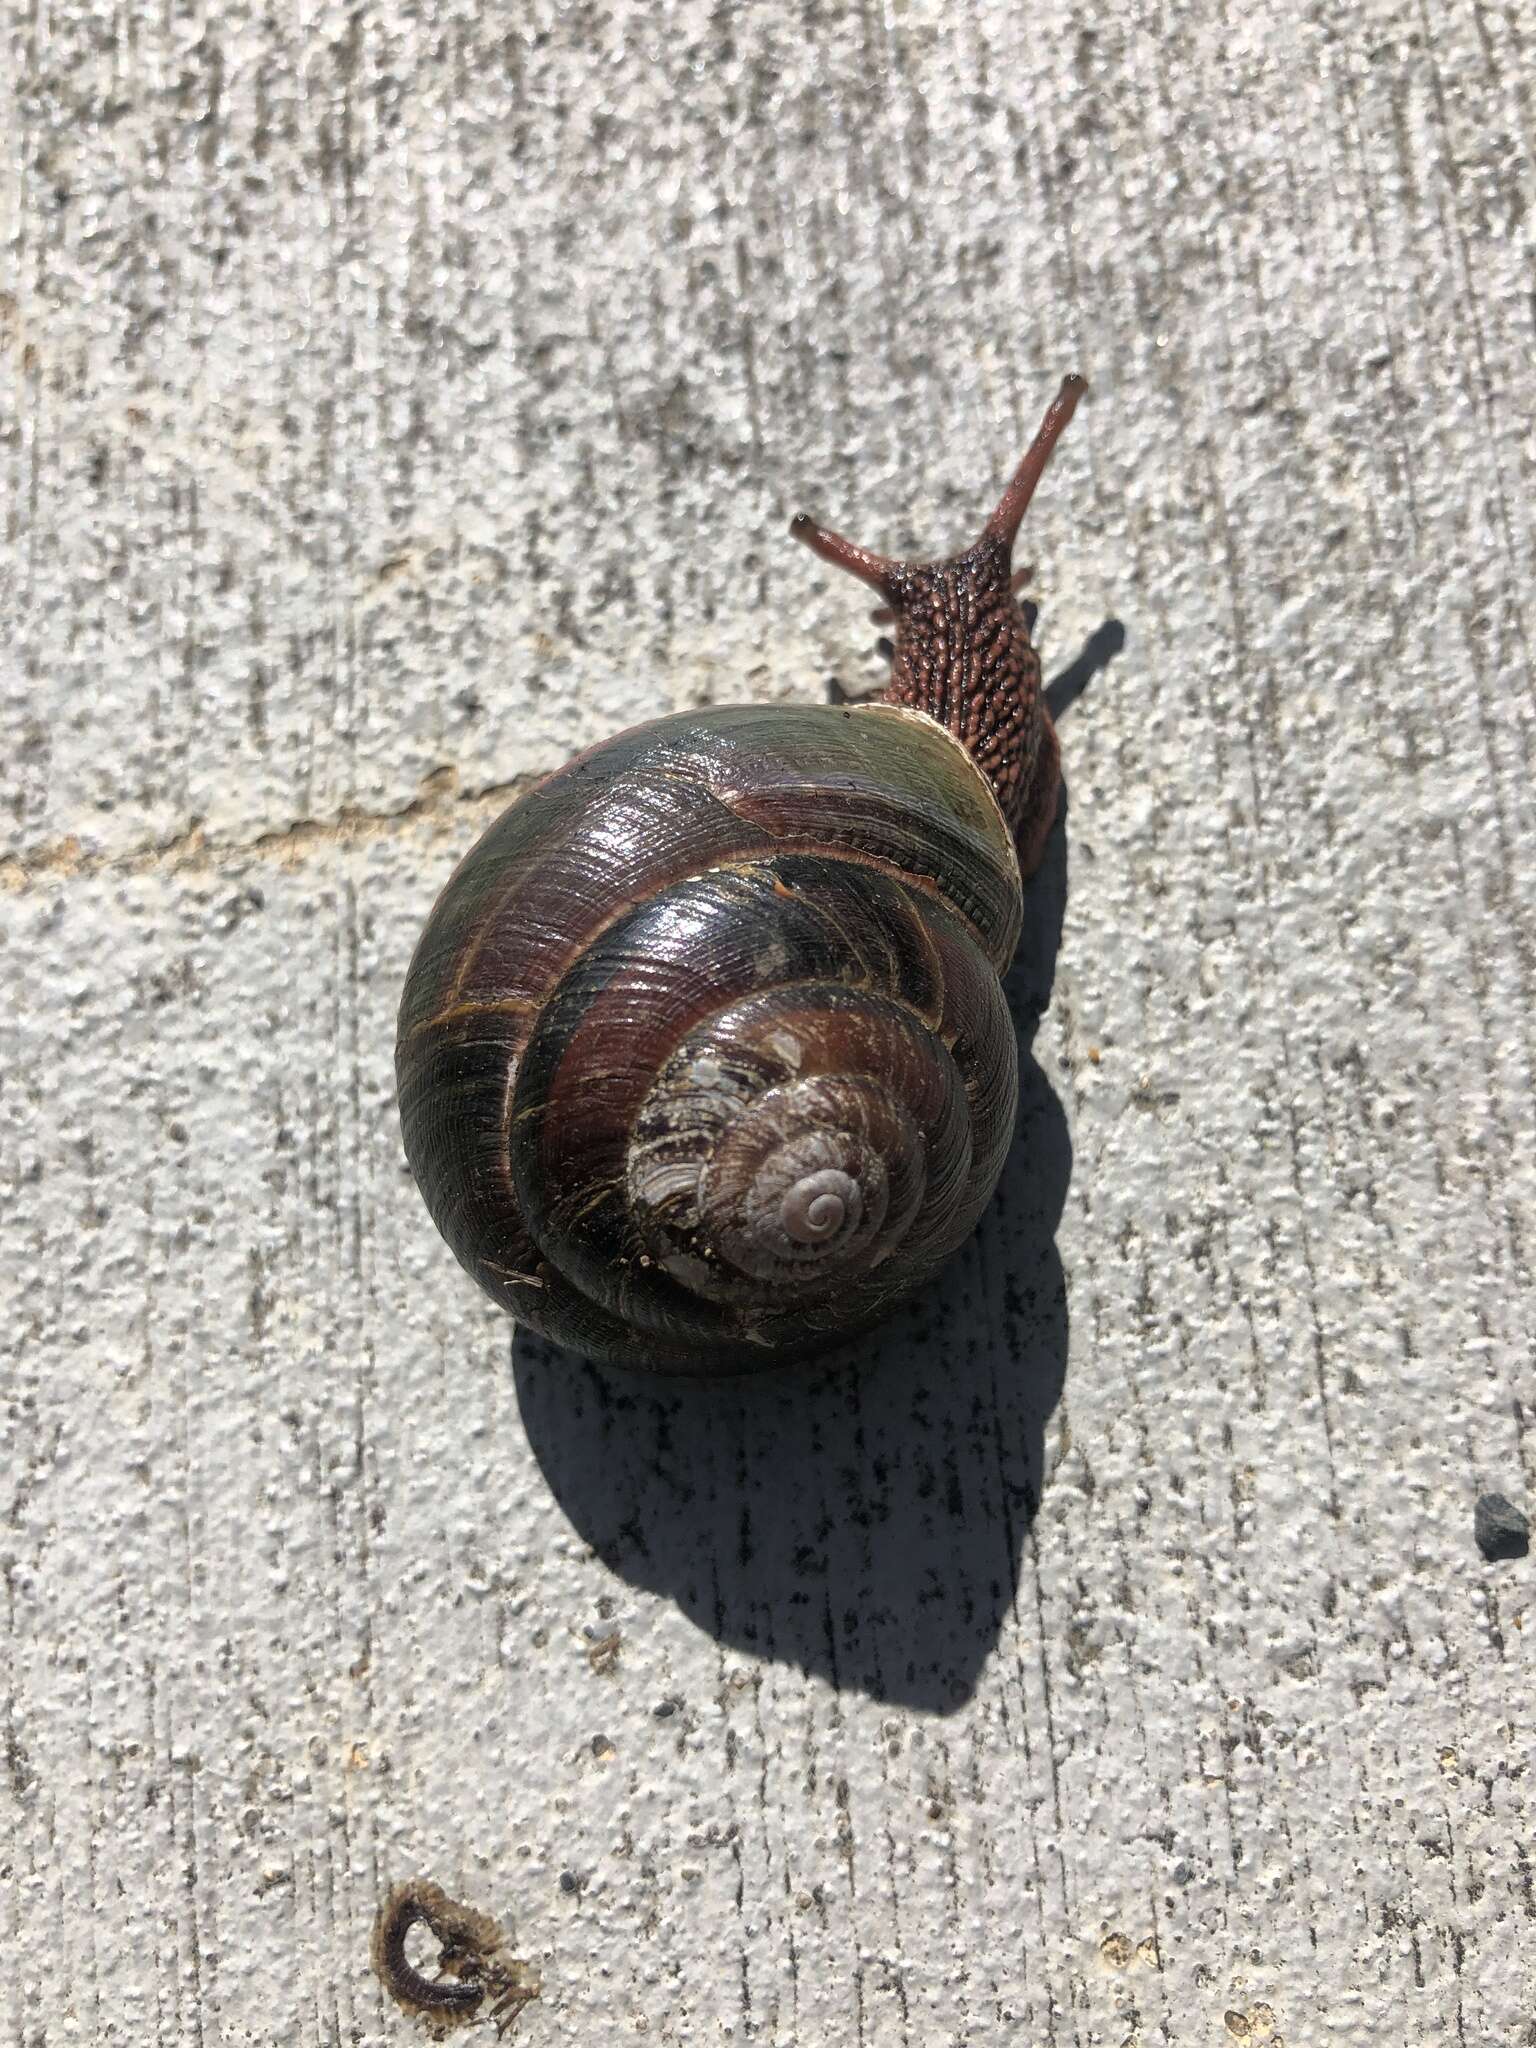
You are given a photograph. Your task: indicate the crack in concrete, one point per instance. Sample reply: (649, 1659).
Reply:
(440, 803)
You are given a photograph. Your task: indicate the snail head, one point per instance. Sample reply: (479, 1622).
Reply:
(962, 650)
(899, 582)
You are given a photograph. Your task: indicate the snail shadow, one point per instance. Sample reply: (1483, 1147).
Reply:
(1096, 653)
(865, 1518)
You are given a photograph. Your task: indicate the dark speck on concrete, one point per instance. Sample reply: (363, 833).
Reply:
(1502, 1530)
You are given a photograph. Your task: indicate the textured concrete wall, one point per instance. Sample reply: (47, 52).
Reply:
(397, 397)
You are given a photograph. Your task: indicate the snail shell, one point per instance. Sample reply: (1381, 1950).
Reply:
(703, 1057)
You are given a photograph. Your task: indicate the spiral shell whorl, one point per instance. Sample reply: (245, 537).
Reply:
(750, 1181)
(815, 1207)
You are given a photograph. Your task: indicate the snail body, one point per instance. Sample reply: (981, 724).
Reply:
(703, 1056)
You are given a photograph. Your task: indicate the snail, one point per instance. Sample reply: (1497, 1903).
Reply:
(703, 1059)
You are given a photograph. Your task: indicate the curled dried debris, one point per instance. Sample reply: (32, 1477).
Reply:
(477, 1977)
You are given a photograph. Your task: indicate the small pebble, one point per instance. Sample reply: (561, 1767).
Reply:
(1500, 1528)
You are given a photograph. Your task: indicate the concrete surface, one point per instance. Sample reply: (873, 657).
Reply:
(398, 397)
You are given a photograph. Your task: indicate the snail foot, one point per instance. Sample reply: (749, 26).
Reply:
(1040, 806)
